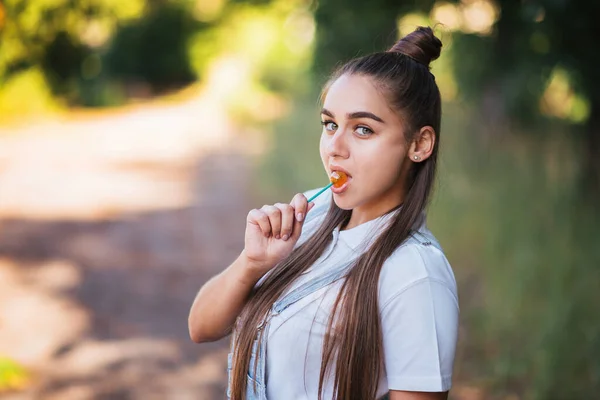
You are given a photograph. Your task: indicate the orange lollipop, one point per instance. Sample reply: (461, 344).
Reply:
(338, 178)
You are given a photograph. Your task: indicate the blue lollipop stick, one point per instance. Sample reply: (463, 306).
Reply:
(319, 192)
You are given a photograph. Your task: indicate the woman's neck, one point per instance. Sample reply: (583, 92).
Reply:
(359, 215)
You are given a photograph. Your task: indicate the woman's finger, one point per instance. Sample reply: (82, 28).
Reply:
(275, 220)
(287, 219)
(260, 218)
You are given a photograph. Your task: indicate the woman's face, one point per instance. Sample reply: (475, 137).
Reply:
(363, 137)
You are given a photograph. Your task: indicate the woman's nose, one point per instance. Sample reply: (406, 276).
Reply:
(337, 145)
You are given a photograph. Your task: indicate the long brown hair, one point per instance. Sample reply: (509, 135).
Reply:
(354, 344)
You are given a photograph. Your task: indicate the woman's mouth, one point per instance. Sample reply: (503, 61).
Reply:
(345, 181)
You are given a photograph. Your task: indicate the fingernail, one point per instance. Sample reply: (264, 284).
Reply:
(285, 237)
(300, 217)
(277, 237)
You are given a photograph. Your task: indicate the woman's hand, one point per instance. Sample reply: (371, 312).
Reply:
(272, 231)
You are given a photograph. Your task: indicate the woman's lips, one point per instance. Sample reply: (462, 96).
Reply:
(343, 188)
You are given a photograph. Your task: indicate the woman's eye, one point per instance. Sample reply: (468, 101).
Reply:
(363, 131)
(329, 125)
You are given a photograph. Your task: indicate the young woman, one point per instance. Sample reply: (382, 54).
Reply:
(349, 297)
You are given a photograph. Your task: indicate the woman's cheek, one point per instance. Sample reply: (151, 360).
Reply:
(323, 147)
(323, 143)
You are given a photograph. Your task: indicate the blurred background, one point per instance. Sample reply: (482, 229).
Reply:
(136, 135)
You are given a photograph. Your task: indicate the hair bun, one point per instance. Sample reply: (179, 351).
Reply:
(421, 45)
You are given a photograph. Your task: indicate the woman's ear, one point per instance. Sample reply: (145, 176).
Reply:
(422, 145)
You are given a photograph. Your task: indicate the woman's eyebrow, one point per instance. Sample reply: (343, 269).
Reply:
(327, 112)
(364, 114)
(355, 115)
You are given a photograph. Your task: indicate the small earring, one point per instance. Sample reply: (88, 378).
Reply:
(416, 157)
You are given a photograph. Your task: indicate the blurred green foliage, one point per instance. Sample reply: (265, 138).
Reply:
(153, 49)
(55, 38)
(12, 375)
(347, 29)
(509, 208)
(26, 93)
(101, 52)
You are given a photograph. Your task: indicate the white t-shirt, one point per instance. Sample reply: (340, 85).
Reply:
(418, 304)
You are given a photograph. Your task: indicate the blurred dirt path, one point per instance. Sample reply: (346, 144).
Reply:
(109, 224)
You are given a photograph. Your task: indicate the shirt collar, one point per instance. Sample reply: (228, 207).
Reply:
(364, 235)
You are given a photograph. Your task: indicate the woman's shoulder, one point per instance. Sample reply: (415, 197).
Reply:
(419, 259)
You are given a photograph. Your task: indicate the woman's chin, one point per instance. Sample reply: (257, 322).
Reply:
(343, 203)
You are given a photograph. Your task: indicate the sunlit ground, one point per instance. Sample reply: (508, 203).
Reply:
(109, 223)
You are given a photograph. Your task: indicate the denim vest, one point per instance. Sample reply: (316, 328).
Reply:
(256, 388)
